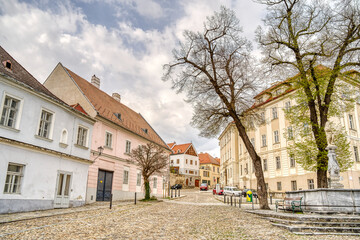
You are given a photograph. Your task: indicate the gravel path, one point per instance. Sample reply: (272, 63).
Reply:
(201, 218)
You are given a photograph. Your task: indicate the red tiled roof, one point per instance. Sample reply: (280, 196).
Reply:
(171, 144)
(107, 107)
(20, 74)
(205, 158)
(79, 108)
(181, 148)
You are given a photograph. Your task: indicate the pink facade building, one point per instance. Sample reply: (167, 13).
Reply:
(118, 129)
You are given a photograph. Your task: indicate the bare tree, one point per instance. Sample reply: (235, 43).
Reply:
(214, 68)
(302, 34)
(152, 159)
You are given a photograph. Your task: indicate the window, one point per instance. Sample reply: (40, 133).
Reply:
(186, 161)
(274, 113)
(253, 141)
(138, 179)
(263, 139)
(128, 146)
(293, 186)
(241, 170)
(265, 165)
(351, 122)
(246, 169)
(172, 161)
(82, 136)
(126, 177)
(278, 163)
(278, 92)
(45, 124)
(9, 112)
(356, 154)
(287, 106)
(108, 140)
(191, 162)
(276, 136)
(278, 186)
(292, 161)
(195, 163)
(310, 183)
(290, 133)
(13, 178)
(262, 118)
(177, 161)
(213, 169)
(155, 182)
(218, 170)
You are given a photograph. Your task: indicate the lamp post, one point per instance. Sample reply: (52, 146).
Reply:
(100, 150)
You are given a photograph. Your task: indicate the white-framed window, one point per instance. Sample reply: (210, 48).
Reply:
(128, 147)
(356, 154)
(64, 136)
(13, 178)
(276, 136)
(265, 165)
(155, 182)
(252, 140)
(82, 136)
(287, 106)
(278, 185)
(138, 179)
(262, 117)
(263, 140)
(126, 177)
(292, 161)
(191, 162)
(46, 124)
(311, 183)
(290, 133)
(351, 122)
(274, 113)
(108, 139)
(177, 161)
(278, 162)
(293, 186)
(11, 111)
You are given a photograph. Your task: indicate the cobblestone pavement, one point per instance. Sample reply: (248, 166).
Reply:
(197, 216)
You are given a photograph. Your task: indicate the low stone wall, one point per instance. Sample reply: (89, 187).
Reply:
(325, 200)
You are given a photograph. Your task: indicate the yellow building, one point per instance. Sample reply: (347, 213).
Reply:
(281, 172)
(209, 169)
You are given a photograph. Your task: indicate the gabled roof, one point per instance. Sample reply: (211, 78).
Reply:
(20, 74)
(181, 148)
(171, 145)
(205, 158)
(79, 108)
(116, 112)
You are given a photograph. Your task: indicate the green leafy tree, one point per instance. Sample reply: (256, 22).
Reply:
(302, 34)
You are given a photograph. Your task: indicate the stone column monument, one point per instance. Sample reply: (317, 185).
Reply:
(334, 169)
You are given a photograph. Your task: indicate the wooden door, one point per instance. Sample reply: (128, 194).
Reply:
(197, 181)
(104, 185)
(62, 191)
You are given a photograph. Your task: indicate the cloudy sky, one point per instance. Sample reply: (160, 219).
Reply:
(123, 42)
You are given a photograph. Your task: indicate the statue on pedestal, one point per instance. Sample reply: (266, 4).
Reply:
(333, 168)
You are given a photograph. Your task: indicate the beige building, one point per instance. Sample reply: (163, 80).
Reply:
(209, 169)
(281, 172)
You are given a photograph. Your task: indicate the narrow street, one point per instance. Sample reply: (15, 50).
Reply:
(197, 216)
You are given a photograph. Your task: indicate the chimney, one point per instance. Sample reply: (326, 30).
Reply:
(116, 96)
(95, 81)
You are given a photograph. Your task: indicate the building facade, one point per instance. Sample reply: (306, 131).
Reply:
(117, 130)
(269, 136)
(44, 159)
(209, 169)
(185, 161)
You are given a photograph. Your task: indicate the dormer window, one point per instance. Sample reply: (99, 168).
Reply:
(7, 64)
(118, 115)
(278, 92)
(145, 130)
(179, 151)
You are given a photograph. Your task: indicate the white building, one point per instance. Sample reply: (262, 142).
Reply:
(44, 144)
(185, 161)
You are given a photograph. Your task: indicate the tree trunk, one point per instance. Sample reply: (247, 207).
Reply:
(261, 189)
(322, 178)
(147, 189)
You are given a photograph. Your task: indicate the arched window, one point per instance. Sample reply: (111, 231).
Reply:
(64, 136)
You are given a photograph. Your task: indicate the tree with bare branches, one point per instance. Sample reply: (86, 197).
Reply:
(152, 159)
(300, 35)
(215, 69)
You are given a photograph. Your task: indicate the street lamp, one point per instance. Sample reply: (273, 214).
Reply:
(100, 150)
